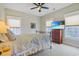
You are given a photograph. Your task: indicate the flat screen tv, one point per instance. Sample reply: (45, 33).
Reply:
(58, 25)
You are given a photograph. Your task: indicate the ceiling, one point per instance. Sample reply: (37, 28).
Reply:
(25, 7)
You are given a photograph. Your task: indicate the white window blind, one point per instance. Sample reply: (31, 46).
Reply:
(72, 19)
(72, 26)
(14, 24)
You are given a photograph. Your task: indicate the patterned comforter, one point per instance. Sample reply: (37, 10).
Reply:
(33, 46)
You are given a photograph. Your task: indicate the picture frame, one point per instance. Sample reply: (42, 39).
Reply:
(33, 26)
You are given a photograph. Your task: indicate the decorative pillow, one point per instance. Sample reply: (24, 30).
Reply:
(35, 41)
(10, 35)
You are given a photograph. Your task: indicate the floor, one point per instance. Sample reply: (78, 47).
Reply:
(59, 50)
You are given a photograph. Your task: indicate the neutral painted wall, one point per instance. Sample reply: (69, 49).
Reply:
(26, 19)
(2, 12)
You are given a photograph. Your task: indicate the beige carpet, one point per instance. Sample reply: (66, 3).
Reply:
(59, 50)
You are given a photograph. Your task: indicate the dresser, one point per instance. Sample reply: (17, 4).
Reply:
(57, 35)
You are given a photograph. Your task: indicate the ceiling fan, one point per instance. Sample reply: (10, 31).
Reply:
(39, 6)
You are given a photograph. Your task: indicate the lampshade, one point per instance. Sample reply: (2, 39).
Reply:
(3, 27)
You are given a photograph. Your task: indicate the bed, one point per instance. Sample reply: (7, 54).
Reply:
(31, 45)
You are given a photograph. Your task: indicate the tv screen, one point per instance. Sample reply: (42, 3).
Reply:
(58, 25)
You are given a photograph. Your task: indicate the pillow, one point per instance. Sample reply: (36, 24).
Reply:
(10, 35)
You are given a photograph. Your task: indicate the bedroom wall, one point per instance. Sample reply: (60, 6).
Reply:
(60, 16)
(2, 12)
(26, 19)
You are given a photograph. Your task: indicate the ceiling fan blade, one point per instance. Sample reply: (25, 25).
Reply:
(34, 8)
(45, 7)
(42, 3)
(36, 4)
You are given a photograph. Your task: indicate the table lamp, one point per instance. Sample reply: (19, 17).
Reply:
(3, 27)
(5, 49)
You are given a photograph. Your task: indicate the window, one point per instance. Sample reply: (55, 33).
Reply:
(14, 24)
(48, 25)
(72, 26)
(72, 32)
(72, 20)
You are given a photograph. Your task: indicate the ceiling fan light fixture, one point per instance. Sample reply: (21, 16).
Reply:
(40, 10)
(39, 6)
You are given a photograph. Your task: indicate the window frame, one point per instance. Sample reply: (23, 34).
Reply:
(16, 18)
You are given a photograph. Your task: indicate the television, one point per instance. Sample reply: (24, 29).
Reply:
(55, 23)
(58, 25)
